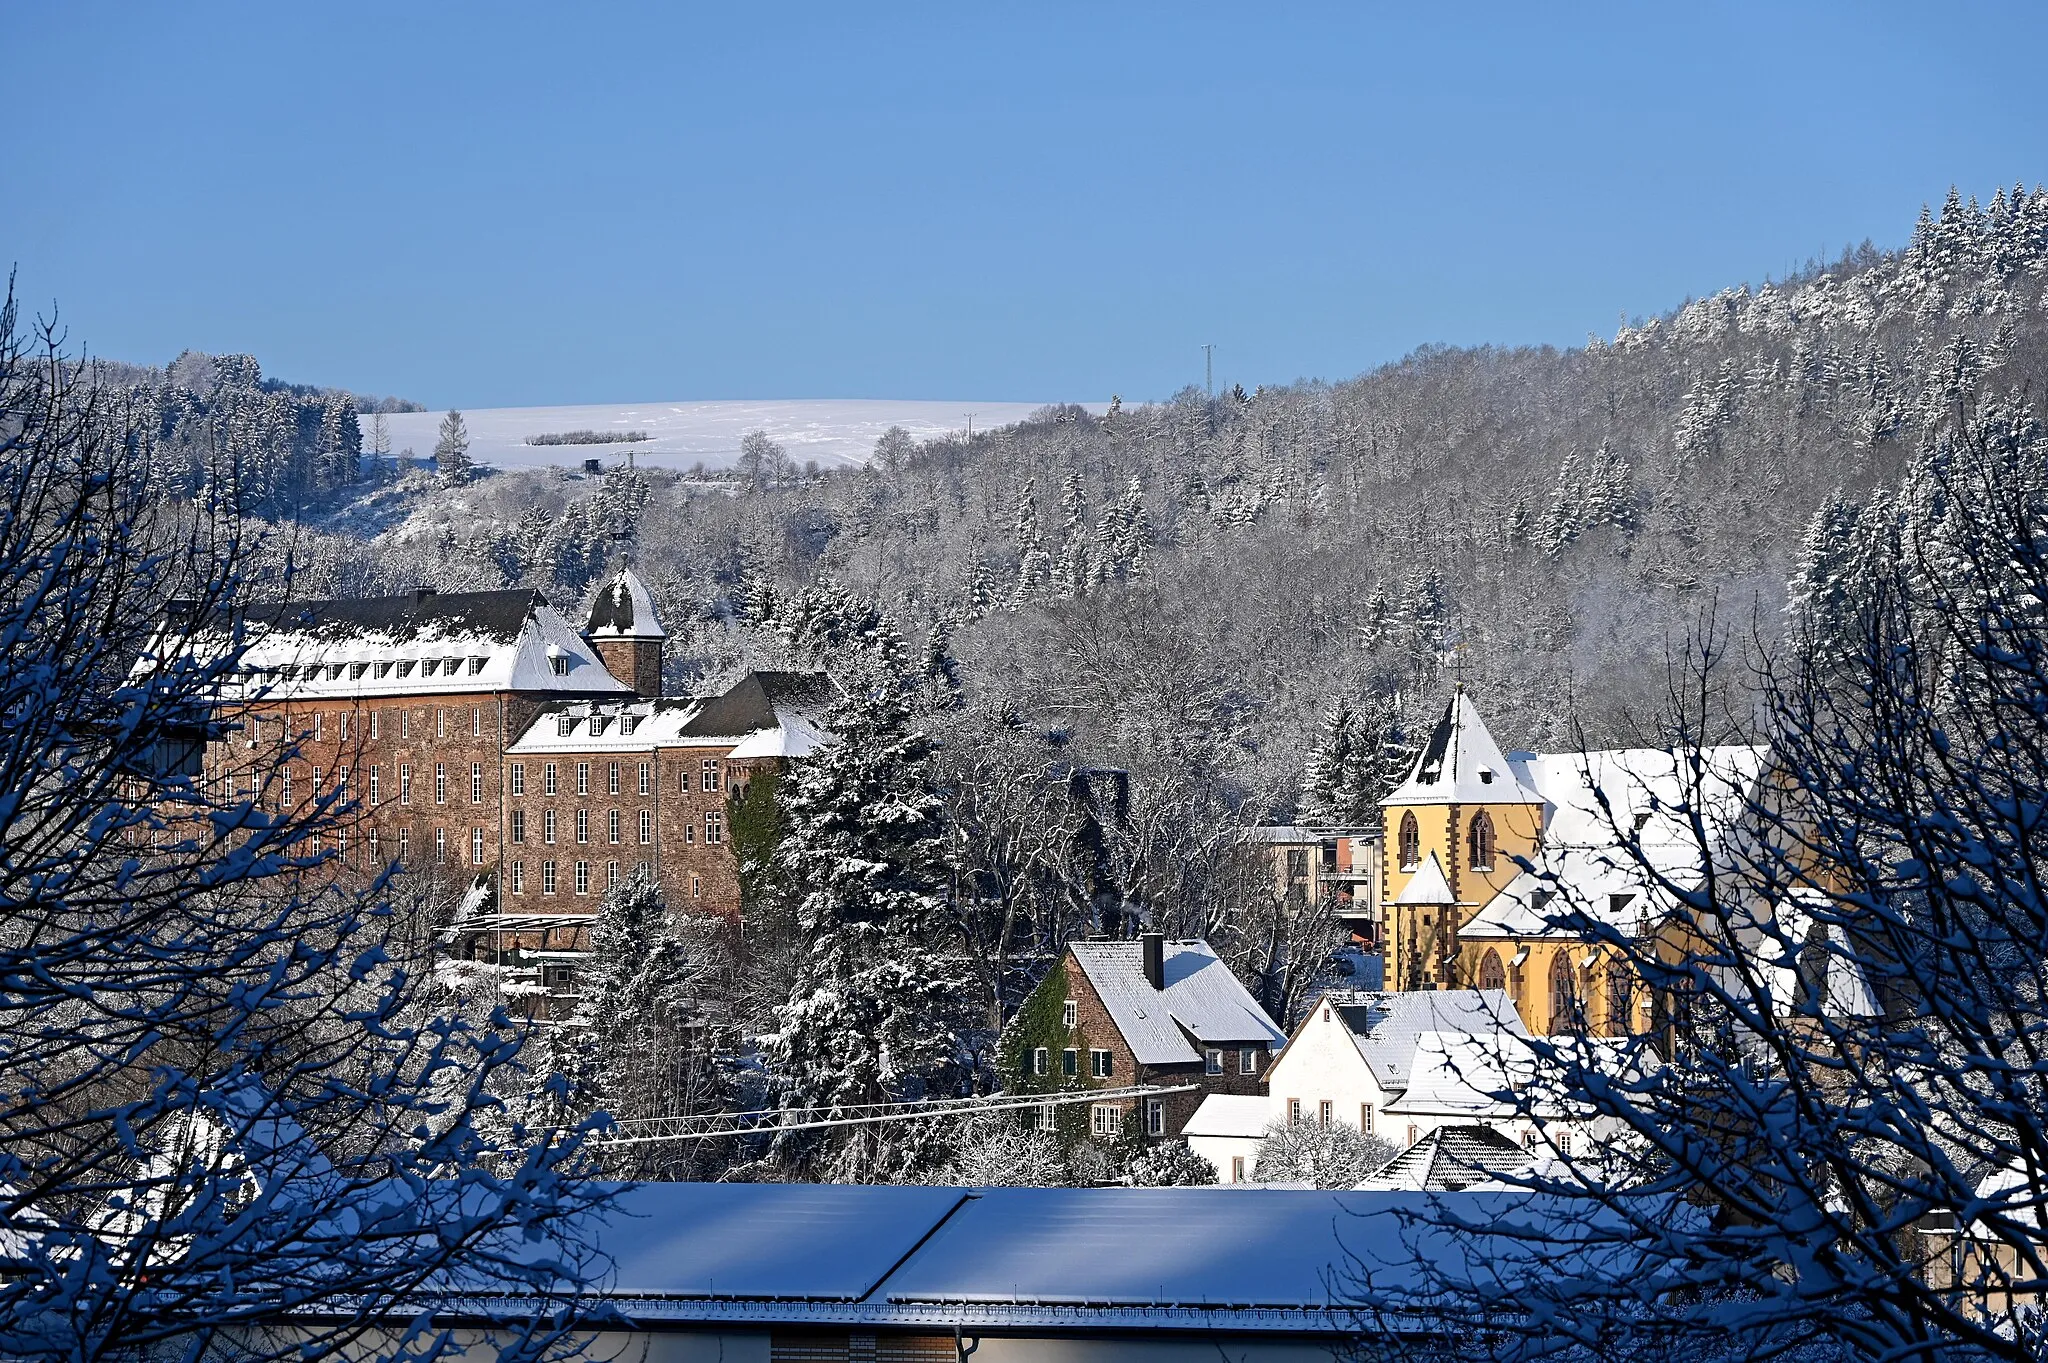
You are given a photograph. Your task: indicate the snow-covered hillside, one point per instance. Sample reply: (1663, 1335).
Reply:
(829, 430)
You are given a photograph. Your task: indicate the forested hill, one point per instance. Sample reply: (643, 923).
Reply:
(1193, 589)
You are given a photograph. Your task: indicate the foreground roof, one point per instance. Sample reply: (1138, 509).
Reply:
(1038, 1260)
(1202, 1002)
(1231, 1114)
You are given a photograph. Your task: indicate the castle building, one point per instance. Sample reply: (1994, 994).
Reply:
(1480, 843)
(482, 738)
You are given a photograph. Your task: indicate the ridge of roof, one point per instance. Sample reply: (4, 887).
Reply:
(1202, 1001)
(498, 614)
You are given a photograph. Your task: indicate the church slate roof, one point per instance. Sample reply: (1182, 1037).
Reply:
(1461, 765)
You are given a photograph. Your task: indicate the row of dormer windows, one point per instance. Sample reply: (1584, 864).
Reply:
(378, 668)
(710, 775)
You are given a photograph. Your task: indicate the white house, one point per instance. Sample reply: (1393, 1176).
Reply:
(1226, 1130)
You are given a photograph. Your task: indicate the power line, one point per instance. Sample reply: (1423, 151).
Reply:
(722, 1124)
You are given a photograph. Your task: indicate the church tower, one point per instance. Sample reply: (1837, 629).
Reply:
(1453, 830)
(625, 632)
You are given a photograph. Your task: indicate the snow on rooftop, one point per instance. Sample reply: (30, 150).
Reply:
(1387, 1027)
(623, 608)
(1230, 1114)
(1461, 764)
(1428, 885)
(1450, 1158)
(1647, 792)
(1202, 1001)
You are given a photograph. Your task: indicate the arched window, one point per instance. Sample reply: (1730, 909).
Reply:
(1480, 842)
(1620, 1000)
(1411, 842)
(1563, 992)
(1491, 973)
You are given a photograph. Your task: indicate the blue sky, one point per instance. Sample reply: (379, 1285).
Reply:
(503, 205)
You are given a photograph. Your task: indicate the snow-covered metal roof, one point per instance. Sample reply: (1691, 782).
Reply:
(423, 643)
(1230, 1114)
(1386, 1027)
(1461, 765)
(624, 609)
(1201, 1003)
(1651, 794)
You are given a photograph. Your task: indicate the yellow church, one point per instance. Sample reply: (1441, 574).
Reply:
(1482, 844)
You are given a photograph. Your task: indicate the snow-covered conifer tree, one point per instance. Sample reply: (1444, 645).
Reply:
(451, 450)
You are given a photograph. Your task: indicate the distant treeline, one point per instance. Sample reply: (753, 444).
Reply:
(587, 437)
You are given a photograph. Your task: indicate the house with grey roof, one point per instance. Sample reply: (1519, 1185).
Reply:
(1451, 1159)
(1112, 1015)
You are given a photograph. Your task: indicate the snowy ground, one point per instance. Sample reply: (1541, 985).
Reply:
(829, 430)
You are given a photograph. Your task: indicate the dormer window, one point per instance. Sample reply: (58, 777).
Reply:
(429, 666)
(598, 724)
(405, 667)
(565, 726)
(356, 670)
(558, 660)
(334, 672)
(476, 665)
(383, 669)
(628, 723)
(1486, 776)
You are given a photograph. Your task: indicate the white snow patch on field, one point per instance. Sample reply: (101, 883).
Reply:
(829, 430)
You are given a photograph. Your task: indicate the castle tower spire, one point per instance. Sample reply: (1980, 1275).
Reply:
(626, 632)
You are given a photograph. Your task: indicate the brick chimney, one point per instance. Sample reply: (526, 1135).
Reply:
(1152, 945)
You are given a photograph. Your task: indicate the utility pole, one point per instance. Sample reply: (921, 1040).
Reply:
(1209, 369)
(970, 428)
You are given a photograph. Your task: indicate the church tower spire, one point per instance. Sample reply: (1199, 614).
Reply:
(626, 633)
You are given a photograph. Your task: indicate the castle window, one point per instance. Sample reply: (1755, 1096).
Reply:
(548, 783)
(476, 847)
(647, 778)
(1411, 842)
(583, 778)
(612, 826)
(714, 826)
(1480, 842)
(582, 877)
(565, 725)
(547, 877)
(547, 825)
(519, 778)
(518, 825)
(1492, 975)
(612, 780)
(518, 877)
(646, 827)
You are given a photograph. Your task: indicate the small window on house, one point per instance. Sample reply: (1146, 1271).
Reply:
(476, 665)
(1106, 1120)
(1212, 1062)
(404, 846)
(1237, 1168)
(1326, 1114)
(518, 825)
(1365, 1118)
(612, 826)
(1070, 1062)
(1041, 1060)
(646, 827)
(612, 780)
(547, 877)
(558, 663)
(519, 778)
(405, 667)
(476, 716)
(1411, 1133)
(583, 825)
(429, 666)
(1411, 842)
(1248, 1061)
(583, 778)
(711, 774)
(647, 778)
(441, 846)
(714, 826)
(582, 877)
(383, 670)
(476, 847)
(548, 783)
(565, 725)
(1098, 1064)
(476, 783)
(1155, 1116)
(1070, 1016)
(547, 825)
(1048, 1117)
(1294, 1112)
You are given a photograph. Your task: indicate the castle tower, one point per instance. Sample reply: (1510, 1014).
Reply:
(1454, 828)
(626, 633)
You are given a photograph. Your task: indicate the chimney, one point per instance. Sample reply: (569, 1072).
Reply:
(1153, 945)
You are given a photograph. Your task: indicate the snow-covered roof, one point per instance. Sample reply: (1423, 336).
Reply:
(1386, 1027)
(624, 609)
(1230, 1114)
(1063, 1259)
(1464, 1073)
(1201, 1003)
(419, 644)
(1448, 1159)
(764, 714)
(1461, 765)
(1284, 834)
(1647, 791)
(1428, 885)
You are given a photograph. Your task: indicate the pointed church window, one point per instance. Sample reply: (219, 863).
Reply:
(1480, 842)
(1411, 842)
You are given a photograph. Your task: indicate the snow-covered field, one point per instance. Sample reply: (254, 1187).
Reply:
(829, 430)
